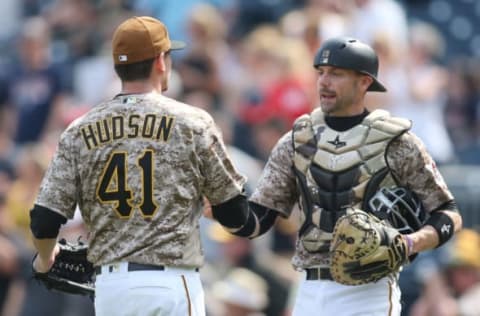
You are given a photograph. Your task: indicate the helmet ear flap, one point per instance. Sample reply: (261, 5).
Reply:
(400, 207)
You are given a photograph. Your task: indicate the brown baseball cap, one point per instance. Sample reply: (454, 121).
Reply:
(141, 38)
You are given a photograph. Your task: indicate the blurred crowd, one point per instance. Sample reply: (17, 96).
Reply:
(248, 63)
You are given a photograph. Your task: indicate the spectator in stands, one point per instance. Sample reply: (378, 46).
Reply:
(368, 17)
(274, 89)
(453, 289)
(14, 258)
(241, 293)
(30, 166)
(427, 82)
(436, 299)
(463, 271)
(35, 88)
(175, 13)
(239, 252)
(462, 108)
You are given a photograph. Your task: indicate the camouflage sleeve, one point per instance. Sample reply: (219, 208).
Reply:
(414, 168)
(58, 190)
(276, 188)
(222, 180)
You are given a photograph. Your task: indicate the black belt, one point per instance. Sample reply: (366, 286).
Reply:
(132, 266)
(318, 274)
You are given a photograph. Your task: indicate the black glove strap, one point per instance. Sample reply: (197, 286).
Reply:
(443, 225)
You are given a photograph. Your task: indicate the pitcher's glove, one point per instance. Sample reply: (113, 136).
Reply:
(365, 250)
(71, 272)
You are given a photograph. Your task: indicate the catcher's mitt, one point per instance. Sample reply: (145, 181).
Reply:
(71, 272)
(364, 249)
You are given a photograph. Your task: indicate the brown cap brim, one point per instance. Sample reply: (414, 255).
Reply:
(176, 45)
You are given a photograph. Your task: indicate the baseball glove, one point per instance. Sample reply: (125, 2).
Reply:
(364, 249)
(71, 272)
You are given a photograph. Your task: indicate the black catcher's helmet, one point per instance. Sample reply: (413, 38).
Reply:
(349, 53)
(400, 207)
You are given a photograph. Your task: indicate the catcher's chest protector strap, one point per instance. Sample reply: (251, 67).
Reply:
(338, 169)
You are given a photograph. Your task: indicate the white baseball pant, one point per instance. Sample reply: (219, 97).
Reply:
(172, 291)
(325, 297)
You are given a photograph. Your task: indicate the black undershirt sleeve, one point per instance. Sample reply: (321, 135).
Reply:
(266, 217)
(232, 213)
(45, 223)
(448, 206)
(244, 218)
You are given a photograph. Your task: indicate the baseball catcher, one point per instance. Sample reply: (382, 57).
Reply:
(71, 272)
(335, 164)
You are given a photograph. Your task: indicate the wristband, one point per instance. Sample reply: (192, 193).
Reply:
(409, 244)
(443, 225)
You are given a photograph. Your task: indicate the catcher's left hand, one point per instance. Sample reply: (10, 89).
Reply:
(71, 272)
(365, 250)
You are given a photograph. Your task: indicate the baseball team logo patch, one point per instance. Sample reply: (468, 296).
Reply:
(337, 142)
(325, 56)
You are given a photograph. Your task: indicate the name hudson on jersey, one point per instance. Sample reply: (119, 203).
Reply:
(113, 128)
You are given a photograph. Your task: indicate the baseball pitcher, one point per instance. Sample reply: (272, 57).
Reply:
(138, 166)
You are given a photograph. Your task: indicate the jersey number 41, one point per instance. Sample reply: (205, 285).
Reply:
(113, 185)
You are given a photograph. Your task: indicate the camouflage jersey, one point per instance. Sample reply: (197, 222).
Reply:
(406, 158)
(138, 167)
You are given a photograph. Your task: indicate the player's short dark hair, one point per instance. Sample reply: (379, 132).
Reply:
(134, 71)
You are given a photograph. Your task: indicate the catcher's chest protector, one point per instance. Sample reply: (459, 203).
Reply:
(336, 170)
